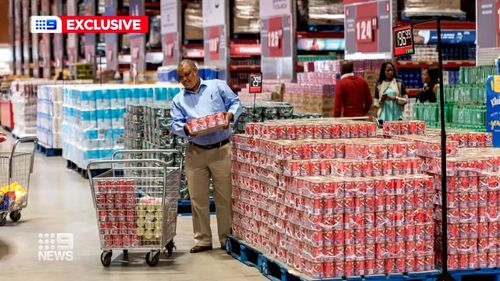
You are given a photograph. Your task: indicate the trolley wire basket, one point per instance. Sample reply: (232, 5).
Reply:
(16, 167)
(136, 203)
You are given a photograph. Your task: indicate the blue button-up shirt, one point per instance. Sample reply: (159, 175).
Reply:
(212, 96)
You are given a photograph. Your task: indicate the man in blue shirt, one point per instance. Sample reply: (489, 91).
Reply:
(209, 155)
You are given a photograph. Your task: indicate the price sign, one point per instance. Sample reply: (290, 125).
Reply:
(170, 15)
(255, 83)
(365, 29)
(403, 41)
(213, 45)
(275, 37)
(487, 30)
(215, 33)
(111, 39)
(368, 26)
(35, 41)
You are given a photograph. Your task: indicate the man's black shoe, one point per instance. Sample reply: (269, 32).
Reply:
(198, 249)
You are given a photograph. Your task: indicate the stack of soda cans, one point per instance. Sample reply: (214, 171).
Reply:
(330, 199)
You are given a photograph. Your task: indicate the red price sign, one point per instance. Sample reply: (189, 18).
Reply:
(365, 29)
(403, 40)
(368, 29)
(275, 37)
(169, 50)
(214, 43)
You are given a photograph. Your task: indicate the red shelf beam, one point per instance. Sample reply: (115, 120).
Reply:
(446, 64)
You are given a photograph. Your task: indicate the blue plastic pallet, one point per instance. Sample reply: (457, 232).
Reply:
(49, 152)
(277, 271)
(483, 274)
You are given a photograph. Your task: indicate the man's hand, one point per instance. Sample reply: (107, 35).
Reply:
(188, 132)
(229, 117)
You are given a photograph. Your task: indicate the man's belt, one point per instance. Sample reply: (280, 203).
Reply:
(211, 146)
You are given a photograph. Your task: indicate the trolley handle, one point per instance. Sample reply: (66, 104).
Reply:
(124, 161)
(34, 140)
(143, 151)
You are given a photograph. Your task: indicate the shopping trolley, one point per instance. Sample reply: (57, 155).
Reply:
(15, 169)
(136, 202)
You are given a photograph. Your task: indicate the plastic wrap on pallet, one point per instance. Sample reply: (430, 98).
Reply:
(94, 117)
(246, 16)
(439, 7)
(24, 103)
(193, 23)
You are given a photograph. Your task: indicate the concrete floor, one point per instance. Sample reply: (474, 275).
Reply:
(60, 202)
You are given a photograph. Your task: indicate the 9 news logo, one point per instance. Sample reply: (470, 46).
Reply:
(46, 24)
(89, 24)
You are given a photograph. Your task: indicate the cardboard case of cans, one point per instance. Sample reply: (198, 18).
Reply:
(207, 124)
(334, 202)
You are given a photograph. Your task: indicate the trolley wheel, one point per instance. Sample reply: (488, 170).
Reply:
(15, 215)
(170, 247)
(106, 258)
(229, 246)
(3, 219)
(153, 258)
(125, 253)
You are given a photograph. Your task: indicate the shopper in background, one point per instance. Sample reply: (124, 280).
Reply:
(390, 94)
(352, 94)
(430, 77)
(207, 156)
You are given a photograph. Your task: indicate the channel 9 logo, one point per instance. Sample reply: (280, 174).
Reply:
(89, 24)
(46, 24)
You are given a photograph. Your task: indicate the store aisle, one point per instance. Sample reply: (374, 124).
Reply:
(60, 202)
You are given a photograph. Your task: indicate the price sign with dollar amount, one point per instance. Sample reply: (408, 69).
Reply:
(403, 41)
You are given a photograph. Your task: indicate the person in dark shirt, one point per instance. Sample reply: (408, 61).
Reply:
(352, 94)
(430, 77)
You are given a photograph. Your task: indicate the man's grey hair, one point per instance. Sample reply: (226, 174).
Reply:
(189, 62)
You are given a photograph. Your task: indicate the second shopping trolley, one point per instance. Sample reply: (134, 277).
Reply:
(136, 202)
(16, 166)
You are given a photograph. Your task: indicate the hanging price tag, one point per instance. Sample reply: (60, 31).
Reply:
(368, 26)
(403, 41)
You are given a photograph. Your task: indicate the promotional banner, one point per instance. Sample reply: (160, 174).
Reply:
(137, 44)
(448, 37)
(72, 41)
(58, 38)
(26, 38)
(488, 31)
(46, 45)
(170, 32)
(277, 39)
(493, 108)
(321, 44)
(111, 39)
(215, 32)
(90, 38)
(35, 41)
(368, 29)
